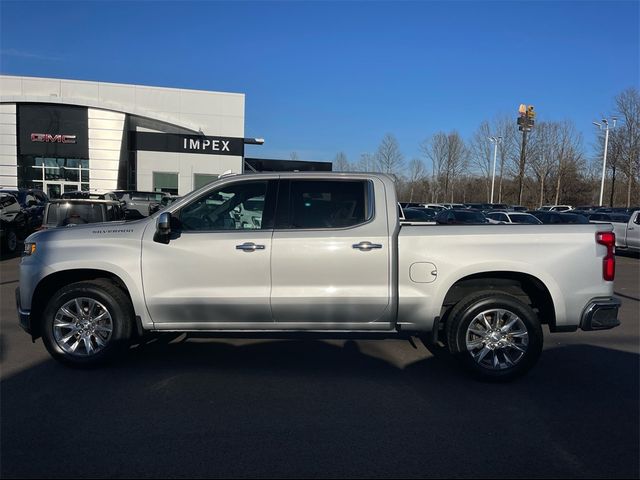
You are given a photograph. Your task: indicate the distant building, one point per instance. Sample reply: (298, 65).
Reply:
(64, 135)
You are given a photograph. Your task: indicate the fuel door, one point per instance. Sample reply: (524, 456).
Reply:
(423, 272)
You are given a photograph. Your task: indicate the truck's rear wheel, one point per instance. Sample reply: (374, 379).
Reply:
(85, 323)
(495, 335)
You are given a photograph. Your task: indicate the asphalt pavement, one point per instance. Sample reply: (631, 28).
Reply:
(241, 408)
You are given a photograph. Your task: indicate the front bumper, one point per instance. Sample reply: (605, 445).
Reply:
(23, 316)
(600, 314)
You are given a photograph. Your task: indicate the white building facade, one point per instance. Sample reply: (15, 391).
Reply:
(63, 135)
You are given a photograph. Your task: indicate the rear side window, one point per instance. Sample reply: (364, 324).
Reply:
(326, 204)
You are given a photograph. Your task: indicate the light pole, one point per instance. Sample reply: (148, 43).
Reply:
(495, 141)
(606, 145)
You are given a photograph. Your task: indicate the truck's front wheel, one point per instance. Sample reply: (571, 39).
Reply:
(495, 335)
(85, 323)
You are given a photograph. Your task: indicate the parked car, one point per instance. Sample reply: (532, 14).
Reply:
(330, 256)
(96, 195)
(138, 201)
(559, 217)
(433, 206)
(166, 201)
(513, 217)
(419, 214)
(13, 223)
(453, 205)
(478, 206)
(460, 217)
(73, 212)
(608, 217)
(628, 234)
(556, 208)
(32, 202)
(518, 208)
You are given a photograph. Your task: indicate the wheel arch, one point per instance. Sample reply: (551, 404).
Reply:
(526, 287)
(55, 281)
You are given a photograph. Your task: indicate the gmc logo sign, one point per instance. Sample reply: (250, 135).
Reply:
(48, 138)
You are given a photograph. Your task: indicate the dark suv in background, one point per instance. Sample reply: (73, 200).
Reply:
(137, 203)
(32, 203)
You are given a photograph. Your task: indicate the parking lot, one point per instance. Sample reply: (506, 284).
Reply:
(212, 408)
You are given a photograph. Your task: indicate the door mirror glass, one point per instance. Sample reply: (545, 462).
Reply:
(163, 228)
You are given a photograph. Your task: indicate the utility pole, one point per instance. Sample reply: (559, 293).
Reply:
(604, 158)
(525, 124)
(495, 141)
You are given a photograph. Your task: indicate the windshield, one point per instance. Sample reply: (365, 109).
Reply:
(63, 214)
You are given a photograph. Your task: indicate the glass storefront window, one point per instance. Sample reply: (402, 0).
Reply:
(71, 174)
(165, 182)
(42, 172)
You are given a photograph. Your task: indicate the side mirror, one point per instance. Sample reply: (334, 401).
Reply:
(163, 228)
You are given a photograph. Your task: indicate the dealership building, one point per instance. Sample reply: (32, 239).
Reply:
(64, 135)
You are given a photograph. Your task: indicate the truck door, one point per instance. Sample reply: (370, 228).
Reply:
(215, 271)
(633, 231)
(330, 262)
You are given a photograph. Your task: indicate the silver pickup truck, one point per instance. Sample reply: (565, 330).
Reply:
(326, 256)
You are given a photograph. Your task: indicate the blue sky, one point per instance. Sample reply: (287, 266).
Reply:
(323, 77)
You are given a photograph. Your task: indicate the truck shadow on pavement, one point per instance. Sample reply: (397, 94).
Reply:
(314, 409)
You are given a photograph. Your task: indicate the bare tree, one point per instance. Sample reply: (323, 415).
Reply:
(482, 154)
(388, 156)
(366, 163)
(505, 126)
(568, 152)
(628, 136)
(340, 163)
(435, 149)
(457, 161)
(449, 158)
(417, 173)
(294, 156)
(542, 161)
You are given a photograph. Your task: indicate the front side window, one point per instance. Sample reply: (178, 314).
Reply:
(239, 206)
(328, 204)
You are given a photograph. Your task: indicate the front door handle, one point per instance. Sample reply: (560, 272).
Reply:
(249, 247)
(366, 246)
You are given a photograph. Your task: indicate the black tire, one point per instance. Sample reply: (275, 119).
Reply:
(468, 309)
(10, 241)
(116, 303)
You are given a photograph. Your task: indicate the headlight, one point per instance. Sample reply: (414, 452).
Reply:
(29, 248)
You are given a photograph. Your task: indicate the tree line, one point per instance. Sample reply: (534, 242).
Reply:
(557, 170)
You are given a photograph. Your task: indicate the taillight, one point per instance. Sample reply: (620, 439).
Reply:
(608, 239)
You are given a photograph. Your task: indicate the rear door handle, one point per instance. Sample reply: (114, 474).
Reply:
(366, 246)
(249, 247)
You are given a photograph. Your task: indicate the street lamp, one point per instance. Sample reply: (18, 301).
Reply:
(495, 141)
(606, 145)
